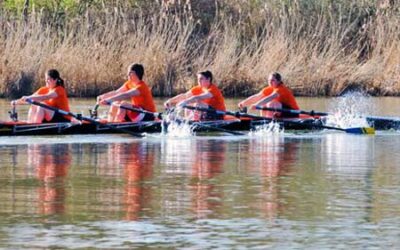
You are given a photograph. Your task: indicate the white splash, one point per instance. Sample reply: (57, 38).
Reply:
(271, 128)
(177, 126)
(179, 129)
(350, 111)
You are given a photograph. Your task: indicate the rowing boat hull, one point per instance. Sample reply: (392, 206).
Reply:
(12, 129)
(66, 128)
(383, 123)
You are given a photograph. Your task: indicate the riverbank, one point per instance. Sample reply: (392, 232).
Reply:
(322, 50)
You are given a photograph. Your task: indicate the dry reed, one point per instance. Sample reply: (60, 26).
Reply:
(322, 54)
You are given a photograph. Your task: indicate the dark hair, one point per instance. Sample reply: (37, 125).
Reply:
(138, 69)
(277, 77)
(54, 74)
(207, 74)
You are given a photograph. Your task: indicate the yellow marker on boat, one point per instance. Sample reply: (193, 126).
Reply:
(369, 131)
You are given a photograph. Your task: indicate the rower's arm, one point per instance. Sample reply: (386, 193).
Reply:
(250, 100)
(18, 101)
(266, 99)
(106, 95)
(111, 93)
(178, 98)
(123, 95)
(196, 98)
(39, 98)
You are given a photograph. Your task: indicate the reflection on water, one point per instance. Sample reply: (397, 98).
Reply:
(200, 161)
(50, 163)
(271, 158)
(202, 192)
(137, 163)
(340, 155)
(208, 163)
(131, 165)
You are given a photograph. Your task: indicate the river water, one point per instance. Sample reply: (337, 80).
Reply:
(320, 190)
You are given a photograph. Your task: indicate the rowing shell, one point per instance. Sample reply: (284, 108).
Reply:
(61, 128)
(19, 128)
(383, 123)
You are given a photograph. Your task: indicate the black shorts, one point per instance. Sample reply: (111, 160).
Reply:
(212, 115)
(147, 117)
(287, 114)
(57, 117)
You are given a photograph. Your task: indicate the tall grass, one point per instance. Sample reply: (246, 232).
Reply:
(320, 49)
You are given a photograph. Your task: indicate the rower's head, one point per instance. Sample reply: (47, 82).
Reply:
(53, 79)
(136, 72)
(204, 78)
(275, 79)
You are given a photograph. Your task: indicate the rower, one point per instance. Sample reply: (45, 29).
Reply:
(276, 95)
(205, 95)
(53, 94)
(140, 94)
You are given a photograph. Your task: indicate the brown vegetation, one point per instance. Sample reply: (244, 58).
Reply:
(324, 51)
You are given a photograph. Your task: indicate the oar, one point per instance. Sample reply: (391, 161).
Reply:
(387, 120)
(83, 118)
(155, 114)
(355, 130)
(294, 111)
(200, 124)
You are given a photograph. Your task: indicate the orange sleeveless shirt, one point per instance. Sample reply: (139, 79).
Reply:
(144, 99)
(216, 101)
(60, 102)
(285, 97)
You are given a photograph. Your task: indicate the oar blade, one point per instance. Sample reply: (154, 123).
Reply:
(361, 130)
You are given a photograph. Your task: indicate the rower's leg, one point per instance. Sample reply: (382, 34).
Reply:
(189, 114)
(112, 113)
(121, 113)
(192, 115)
(199, 114)
(40, 114)
(120, 116)
(274, 105)
(195, 114)
(47, 114)
(33, 109)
